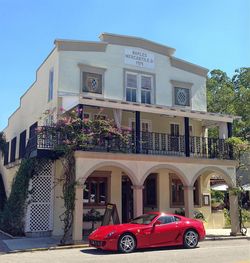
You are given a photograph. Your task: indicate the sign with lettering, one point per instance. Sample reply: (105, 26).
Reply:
(139, 57)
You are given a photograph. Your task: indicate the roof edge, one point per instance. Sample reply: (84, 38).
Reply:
(136, 42)
(187, 66)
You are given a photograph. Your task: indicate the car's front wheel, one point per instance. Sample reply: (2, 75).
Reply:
(127, 243)
(191, 239)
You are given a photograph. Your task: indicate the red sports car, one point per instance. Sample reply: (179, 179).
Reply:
(153, 229)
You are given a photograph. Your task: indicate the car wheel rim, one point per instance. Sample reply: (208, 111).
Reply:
(191, 238)
(127, 243)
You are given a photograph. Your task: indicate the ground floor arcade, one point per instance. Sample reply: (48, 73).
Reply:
(137, 184)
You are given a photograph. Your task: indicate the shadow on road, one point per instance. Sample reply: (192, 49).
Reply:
(93, 251)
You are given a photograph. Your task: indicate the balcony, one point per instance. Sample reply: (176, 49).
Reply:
(150, 143)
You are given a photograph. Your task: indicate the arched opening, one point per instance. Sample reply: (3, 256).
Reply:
(213, 198)
(105, 184)
(164, 189)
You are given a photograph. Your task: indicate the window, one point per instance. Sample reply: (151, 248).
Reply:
(177, 192)
(33, 128)
(182, 96)
(6, 153)
(150, 191)
(131, 87)
(13, 150)
(22, 144)
(139, 87)
(95, 191)
(146, 87)
(166, 219)
(51, 80)
(92, 82)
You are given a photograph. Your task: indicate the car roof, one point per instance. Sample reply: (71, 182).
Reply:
(163, 213)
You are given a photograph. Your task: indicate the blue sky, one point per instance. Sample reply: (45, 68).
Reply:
(213, 34)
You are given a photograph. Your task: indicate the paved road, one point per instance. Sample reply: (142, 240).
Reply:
(208, 251)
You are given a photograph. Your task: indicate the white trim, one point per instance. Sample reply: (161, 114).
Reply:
(149, 122)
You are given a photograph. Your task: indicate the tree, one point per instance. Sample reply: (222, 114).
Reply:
(231, 96)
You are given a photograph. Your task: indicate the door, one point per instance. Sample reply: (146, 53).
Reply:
(166, 232)
(174, 137)
(127, 200)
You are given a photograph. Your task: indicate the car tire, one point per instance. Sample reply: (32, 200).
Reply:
(190, 239)
(127, 243)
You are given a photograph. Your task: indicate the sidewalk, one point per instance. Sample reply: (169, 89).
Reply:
(13, 245)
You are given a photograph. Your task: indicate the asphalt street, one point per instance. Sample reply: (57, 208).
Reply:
(208, 251)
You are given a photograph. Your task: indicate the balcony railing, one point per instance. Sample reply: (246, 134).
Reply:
(151, 143)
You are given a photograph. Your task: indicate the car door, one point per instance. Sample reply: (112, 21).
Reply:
(165, 232)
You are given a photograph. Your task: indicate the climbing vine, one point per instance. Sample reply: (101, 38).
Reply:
(12, 216)
(72, 133)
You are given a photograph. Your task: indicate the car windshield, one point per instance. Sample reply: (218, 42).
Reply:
(143, 219)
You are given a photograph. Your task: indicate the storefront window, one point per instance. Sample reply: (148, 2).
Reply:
(177, 192)
(95, 191)
(150, 191)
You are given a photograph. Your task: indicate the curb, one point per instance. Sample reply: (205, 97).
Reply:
(47, 248)
(217, 238)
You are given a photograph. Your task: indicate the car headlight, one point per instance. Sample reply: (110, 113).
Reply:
(110, 234)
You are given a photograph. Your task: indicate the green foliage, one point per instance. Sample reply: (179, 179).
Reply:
(217, 196)
(227, 217)
(92, 215)
(2, 194)
(245, 216)
(12, 217)
(231, 96)
(199, 215)
(180, 212)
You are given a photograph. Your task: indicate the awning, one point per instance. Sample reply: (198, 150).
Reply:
(220, 187)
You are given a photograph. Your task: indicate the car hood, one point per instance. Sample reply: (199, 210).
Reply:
(102, 231)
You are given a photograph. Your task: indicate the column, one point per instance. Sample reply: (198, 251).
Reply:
(78, 213)
(80, 111)
(187, 137)
(230, 134)
(189, 201)
(138, 131)
(163, 195)
(138, 199)
(234, 214)
(223, 130)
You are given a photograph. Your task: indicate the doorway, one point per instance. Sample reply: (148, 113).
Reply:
(127, 200)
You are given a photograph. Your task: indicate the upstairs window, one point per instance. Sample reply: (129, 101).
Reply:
(182, 96)
(6, 153)
(13, 150)
(22, 144)
(146, 88)
(139, 87)
(51, 83)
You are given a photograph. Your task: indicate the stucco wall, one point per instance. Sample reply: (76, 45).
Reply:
(113, 61)
(33, 105)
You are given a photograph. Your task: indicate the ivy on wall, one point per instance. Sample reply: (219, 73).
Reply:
(13, 214)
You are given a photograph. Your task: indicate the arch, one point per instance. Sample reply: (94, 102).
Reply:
(123, 167)
(165, 166)
(213, 169)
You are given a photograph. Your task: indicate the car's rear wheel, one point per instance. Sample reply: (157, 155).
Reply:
(127, 243)
(191, 239)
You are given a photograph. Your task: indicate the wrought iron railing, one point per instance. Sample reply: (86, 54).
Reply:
(151, 143)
